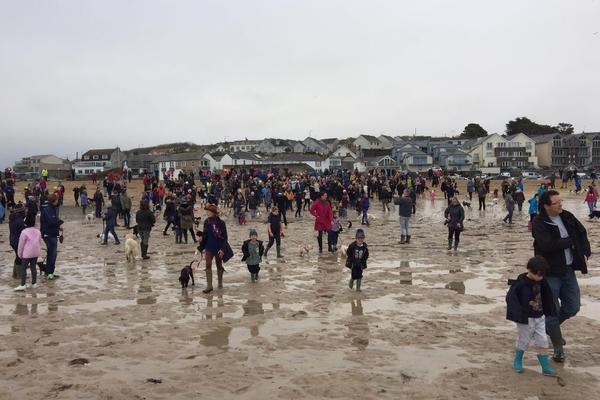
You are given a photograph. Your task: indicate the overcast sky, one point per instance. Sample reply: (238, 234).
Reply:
(81, 74)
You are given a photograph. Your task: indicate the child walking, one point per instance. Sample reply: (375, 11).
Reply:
(30, 243)
(334, 233)
(356, 258)
(275, 230)
(253, 250)
(528, 301)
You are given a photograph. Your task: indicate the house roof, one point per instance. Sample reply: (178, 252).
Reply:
(39, 157)
(319, 142)
(329, 140)
(192, 155)
(281, 142)
(244, 155)
(99, 152)
(370, 138)
(367, 153)
(544, 138)
(389, 138)
(299, 157)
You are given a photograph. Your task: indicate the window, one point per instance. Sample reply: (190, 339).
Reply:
(105, 156)
(488, 146)
(183, 163)
(528, 145)
(86, 157)
(557, 141)
(96, 157)
(317, 163)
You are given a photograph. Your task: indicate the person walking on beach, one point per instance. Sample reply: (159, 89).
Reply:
(364, 206)
(562, 240)
(126, 208)
(252, 250)
(83, 198)
(321, 210)
(455, 215)
(16, 224)
(481, 193)
(509, 202)
(275, 231)
(215, 245)
(145, 220)
(29, 250)
(405, 205)
(98, 202)
(529, 300)
(51, 229)
(357, 255)
(111, 221)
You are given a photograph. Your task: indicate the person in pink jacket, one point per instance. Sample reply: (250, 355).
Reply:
(30, 243)
(321, 210)
(590, 199)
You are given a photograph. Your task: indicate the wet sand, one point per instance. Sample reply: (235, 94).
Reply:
(429, 324)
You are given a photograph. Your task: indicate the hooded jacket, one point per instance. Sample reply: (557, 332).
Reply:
(548, 243)
(323, 214)
(16, 225)
(49, 221)
(518, 296)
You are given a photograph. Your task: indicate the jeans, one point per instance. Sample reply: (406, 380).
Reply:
(31, 264)
(126, 217)
(365, 217)
(110, 229)
(276, 238)
(52, 250)
(404, 228)
(565, 291)
(591, 207)
(509, 216)
(482, 203)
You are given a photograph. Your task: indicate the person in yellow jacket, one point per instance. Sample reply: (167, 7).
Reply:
(45, 174)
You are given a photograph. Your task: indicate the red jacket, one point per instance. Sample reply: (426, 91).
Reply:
(323, 213)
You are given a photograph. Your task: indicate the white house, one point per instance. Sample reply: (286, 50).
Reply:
(243, 145)
(99, 160)
(240, 159)
(387, 142)
(367, 142)
(492, 153)
(313, 145)
(344, 151)
(315, 161)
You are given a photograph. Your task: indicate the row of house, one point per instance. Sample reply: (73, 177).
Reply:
(490, 154)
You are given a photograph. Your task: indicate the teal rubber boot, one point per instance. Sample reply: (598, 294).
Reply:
(545, 363)
(518, 362)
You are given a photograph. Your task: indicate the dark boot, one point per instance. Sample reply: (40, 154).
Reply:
(252, 278)
(279, 252)
(557, 342)
(449, 244)
(351, 284)
(320, 241)
(266, 251)
(220, 278)
(15, 271)
(144, 248)
(402, 239)
(407, 239)
(209, 286)
(456, 245)
(358, 281)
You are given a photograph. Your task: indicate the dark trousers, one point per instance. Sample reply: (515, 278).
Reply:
(31, 264)
(454, 233)
(274, 239)
(52, 249)
(298, 208)
(482, 203)
(98, 210)
(17, 259)
(126, 217)
(111, 229)
(283, 217)
(253, 269)
(332, 240)
(320, 241)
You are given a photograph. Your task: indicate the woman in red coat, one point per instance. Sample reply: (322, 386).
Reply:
(321, 210)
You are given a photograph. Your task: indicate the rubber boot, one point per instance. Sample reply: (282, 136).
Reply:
(449, 244)
(455, 245)
(220, 278)
(256, 276)
(518, 362)
(209, 286)
(358, 285)
(407, 239)
(15, 271)
(252, 279)
(557, 342)
(320, 241)
(351, 284)
(546, 368)
(279, 252)
(402, 240)
(266, 251)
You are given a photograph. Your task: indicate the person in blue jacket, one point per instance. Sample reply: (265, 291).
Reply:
(51, 228)
(111, 221)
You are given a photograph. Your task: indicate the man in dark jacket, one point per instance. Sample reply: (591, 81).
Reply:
(50, 227)
(98, 203)
(405, 204)
(562, 240)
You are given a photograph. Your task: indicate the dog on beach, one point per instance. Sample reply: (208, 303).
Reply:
(467, 204)
(344, 249)
(186, 274)
(132, 248)
(89, 219)
(42, 266)
(595, 214)
(304, 249)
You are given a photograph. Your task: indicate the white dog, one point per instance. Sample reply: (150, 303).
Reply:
(132, 248)
(89, 219)
(304, 249)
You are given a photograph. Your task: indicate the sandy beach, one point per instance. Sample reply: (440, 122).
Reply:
(429, 324)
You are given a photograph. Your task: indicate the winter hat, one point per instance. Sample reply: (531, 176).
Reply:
(212, 208)
(360, 234)
(253, 233)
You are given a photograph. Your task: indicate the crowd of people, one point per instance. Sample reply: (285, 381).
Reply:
(543, 298)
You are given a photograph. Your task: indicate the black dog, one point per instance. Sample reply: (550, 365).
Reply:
(42, 266)
(595, 214)
(186, 273)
